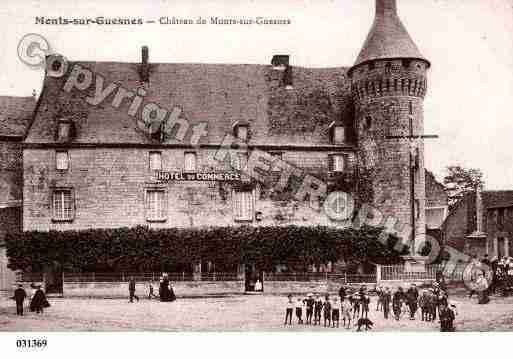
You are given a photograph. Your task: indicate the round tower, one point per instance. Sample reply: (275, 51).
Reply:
(388, 87)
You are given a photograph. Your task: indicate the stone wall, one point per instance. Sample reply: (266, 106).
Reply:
(109, 190)
(387, 94)
(120, 290)
(7, 277)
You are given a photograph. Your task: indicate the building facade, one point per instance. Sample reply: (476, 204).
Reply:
(182, 145)
(15, 116)
(490, 215)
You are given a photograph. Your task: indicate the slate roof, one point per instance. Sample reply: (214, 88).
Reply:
(15, 115)
(497, 199)
(388, 38)
(219, 94)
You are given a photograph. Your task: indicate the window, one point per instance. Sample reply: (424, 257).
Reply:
(190, 162)
(276, 155)
(388, 68)
(63, 208)
(243, 205)
(338, 135)
(337, 162)
(500, 219)
(368, 122)
(65, 130)
(241, 132)
(155, 161)
(155, 204)
(61, 160)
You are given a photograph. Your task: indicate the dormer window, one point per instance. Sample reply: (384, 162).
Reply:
(65, 130)
(241, 131)
(337, 134)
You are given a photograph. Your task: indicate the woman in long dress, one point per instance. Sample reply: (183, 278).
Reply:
(166, 293)
(39, 301)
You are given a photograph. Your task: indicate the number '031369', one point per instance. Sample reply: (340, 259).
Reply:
(31, 343)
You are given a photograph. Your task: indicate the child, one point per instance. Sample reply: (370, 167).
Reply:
(397, 302)
(385, 302)
(288, 312)
(424, 306)
(327, 311)
(365, 299)
(432, 302)
(345, 308)
(299, 310)
(379, 302)
(446, 318)
(356, 305)
(151, 293)
(309, 302)
(335, 312)
(317, 309)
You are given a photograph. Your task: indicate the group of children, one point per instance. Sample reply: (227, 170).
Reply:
(330, 309)
(355, 307)
(430, 301)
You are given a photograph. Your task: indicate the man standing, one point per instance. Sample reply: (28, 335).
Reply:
(412, 295)
(19, 297)
(342, 293)
(131, 290)
(385, 301)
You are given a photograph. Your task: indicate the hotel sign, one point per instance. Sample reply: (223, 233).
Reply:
(198, 176)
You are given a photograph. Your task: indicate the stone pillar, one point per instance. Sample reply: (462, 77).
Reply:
(197, 271)
(241, 271)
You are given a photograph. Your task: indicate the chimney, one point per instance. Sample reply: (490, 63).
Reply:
(479, 211)
(145, 71)
(280, 62)
(386, 7)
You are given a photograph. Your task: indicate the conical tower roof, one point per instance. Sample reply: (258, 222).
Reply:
(388, 38)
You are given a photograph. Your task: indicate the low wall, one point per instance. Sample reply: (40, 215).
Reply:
(120, 290)
(7, 276)
(286, 287)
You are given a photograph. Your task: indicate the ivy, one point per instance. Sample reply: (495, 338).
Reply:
(141, 248)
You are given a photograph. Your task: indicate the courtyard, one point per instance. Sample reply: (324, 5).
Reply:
(229, 313)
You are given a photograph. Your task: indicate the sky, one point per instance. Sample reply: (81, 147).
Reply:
(469, 44)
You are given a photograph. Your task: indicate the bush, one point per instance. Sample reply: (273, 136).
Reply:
(142, 248)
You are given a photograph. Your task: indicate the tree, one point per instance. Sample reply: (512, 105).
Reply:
(460, 180)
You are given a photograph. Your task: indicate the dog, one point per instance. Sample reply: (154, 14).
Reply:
(364, 322)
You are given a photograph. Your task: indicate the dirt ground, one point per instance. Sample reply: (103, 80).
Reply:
(231, 313)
